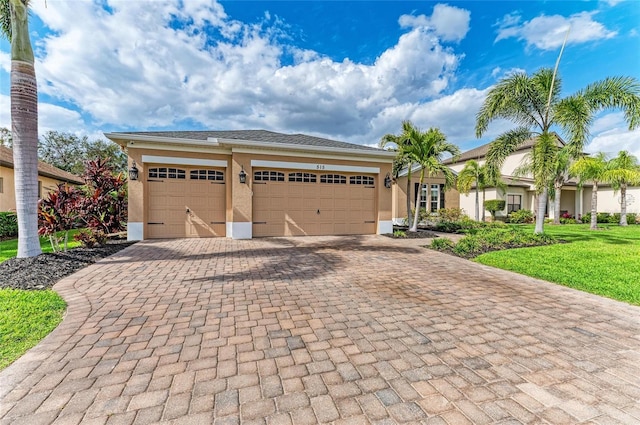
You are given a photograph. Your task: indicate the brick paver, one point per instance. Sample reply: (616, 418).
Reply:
(323, 329)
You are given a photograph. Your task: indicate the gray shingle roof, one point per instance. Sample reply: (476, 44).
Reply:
(255, 136)
(481, 151)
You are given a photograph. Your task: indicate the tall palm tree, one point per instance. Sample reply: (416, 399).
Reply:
(403, 160)
(623, 171)
(428, 149)
(561, 163)
(473, 174)
(533, 103)
(14, 22)
(591, 168)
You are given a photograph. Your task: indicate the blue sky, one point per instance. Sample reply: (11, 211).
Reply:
(350, 71)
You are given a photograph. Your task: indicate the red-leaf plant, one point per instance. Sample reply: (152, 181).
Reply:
(59, 212)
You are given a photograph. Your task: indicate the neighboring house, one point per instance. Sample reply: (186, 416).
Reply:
(48, 179)
(520, 191)
(252, 183)
(432, 194)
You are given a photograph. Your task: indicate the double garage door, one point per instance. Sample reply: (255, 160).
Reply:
(185, 202)
(294, 203)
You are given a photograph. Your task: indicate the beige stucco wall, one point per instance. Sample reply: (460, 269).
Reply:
(609, 200)
(8, 195)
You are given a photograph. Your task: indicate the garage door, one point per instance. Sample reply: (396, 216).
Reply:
(292, 203)
(185, 202)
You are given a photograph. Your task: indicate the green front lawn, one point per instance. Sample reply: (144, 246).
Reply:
(604, 262)
(25, 318)
(9, 248)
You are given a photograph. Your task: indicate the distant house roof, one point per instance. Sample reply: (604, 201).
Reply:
(481, 151)
(255, 136)
(44, 169)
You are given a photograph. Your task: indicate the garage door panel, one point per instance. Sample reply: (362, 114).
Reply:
(187, 207)
(291, 208)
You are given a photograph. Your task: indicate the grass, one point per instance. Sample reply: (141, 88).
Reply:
(604, 262)
(25, 318)
(9, 248)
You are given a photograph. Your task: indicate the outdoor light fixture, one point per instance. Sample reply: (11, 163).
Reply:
(387, 181)
(243, 176)
(133, 172)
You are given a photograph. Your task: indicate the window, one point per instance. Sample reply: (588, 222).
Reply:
(514, 203)
(333, 179)
(1, 185)
(367, 180)
(39, 189)
(268, 176)
(435, 197)
(303, 177)
(207, 175)
(167, 173)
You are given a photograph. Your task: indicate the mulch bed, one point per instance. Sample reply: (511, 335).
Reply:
(420, 234)
(43, 271)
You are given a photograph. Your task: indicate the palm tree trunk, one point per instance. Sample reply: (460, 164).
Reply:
(594, 207)
(416, 216)
(484, 213)
(24, 129)
(556, 204)
(542, 206)
(477, 203)
(409, 193)
(623, 205)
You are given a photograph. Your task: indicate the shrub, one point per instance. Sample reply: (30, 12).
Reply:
(493, 206)
(586, 218)
(59, 212)
(568, 220)
(632, 218)
(450, 214)
(399, 234)
(90, 238)
(104, 205)
(8, 225)
(442, 244)
(493, 239)
(603, 218)
(521, 216)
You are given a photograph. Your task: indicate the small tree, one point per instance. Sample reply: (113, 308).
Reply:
(493, 206)
(591, 168)
(623, 171)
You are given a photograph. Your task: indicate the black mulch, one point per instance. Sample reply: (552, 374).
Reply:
(43, 271)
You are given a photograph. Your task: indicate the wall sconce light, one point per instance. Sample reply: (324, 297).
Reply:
(387, 181)
(243, 176)
(133, 172)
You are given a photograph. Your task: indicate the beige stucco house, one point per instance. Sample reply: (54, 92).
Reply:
(253, 183)
(520, 191)
(48, 179)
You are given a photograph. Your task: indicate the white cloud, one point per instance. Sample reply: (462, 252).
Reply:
(548, 32)
(611, 135)
(164, 63)
(448, 22)
(50, 117)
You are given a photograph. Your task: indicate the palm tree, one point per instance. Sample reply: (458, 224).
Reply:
(403, 159)
(473, 174)
(14, 22)
(623, 171)
(560, 175)
(533, 103)
(427, 149)
(591, 168)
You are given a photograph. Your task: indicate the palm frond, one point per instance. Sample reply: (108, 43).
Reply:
(575, 116)
(505, 145)
(616, 92)
(5, 19)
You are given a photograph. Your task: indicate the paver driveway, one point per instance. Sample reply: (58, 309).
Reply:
(309, 330)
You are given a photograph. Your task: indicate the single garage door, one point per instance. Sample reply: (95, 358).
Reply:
(185, 202)
(293, 203)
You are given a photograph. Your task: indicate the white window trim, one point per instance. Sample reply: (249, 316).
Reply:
(173, 160)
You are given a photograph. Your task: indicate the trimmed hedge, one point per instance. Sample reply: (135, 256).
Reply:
(8, 225)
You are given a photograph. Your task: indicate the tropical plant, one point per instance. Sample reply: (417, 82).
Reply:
(104, 205)
(472, 175)
(622, 171)
(427, 149)
(591, 168)
(14, 23)
(8, 225)
(59, 212)
(493, 206)
(533, 103)
(403, 159)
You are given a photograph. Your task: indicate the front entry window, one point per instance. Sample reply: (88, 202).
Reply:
(514, 203)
